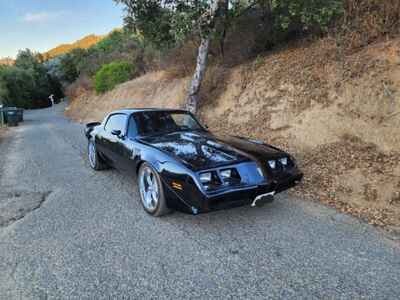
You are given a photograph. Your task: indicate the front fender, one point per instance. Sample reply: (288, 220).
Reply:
(180, 184)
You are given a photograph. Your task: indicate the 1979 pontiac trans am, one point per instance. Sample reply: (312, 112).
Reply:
(180, 165)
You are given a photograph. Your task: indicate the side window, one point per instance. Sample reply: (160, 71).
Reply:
(116, 122)
(132, 128)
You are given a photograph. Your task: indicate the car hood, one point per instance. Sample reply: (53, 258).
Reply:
(203, 150)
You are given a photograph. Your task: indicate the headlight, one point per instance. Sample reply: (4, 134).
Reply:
(230, 176)
(272, 164)
(284, 161)
(225, 174)
(206, 177)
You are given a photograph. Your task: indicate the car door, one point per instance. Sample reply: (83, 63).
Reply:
(109, 141)
(128, 148)
(102, 143)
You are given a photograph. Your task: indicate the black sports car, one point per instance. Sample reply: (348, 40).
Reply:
(180, 165)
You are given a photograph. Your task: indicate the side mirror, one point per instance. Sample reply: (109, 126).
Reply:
(116, 132)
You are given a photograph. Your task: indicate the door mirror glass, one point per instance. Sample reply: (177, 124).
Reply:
(116, 132)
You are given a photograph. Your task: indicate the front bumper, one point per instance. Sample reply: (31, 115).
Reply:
(245, 196)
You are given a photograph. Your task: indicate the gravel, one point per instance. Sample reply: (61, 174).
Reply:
(90, 238)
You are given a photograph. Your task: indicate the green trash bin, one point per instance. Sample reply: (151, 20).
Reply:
(12, 117)
(18, 111)
(20, 114)
(2, 119)
(5, 112)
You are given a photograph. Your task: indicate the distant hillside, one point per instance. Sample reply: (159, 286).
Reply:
(6, 61)
(84, 43)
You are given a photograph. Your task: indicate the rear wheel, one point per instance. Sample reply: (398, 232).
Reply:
(151, 191)
(95, 160)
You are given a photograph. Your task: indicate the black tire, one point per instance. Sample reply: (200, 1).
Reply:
(95, 161)
(160, 207)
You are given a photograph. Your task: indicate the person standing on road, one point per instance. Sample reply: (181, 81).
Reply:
(51, 97)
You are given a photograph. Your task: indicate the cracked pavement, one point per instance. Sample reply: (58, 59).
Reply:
(90, 238)
(16, 205)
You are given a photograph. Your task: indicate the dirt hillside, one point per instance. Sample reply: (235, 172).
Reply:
(150, 90)
(339, 113)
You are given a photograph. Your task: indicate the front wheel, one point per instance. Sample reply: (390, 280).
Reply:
(151, 191)
(95, 160)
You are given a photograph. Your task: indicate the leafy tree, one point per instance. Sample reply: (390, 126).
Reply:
(151, 18)
(27, 84)
(166, 22)
(71, 63)
(20, 85)
(3, 87)
(33, 64)
(26, 59)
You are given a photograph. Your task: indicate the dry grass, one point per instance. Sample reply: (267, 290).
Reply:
(366, 21)
(81, 86)
(180, 61)
(356, 177)
(149, 90)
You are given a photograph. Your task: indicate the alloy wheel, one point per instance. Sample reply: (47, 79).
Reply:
(92, 154)
(149, 190)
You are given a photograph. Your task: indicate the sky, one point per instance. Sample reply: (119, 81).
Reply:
(41, 25)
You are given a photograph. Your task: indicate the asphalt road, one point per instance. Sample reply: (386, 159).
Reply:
(77, 233)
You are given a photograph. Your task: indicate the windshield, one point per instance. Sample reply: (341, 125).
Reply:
(156, 122)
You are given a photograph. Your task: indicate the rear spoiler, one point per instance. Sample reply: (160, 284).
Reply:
(89, 128)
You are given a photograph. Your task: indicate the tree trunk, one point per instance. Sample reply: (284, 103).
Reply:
(192, 101)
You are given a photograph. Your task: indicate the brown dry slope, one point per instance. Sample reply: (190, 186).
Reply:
(83, 43)
(342, 117)
(7, 61)
(339, 114)
(150, 90)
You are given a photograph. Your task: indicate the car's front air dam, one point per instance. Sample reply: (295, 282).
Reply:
(234, 199)
(247, 196)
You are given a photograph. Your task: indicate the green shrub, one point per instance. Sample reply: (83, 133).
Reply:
(112, 74)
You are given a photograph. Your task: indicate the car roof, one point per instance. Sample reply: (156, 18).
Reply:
(134, 110)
